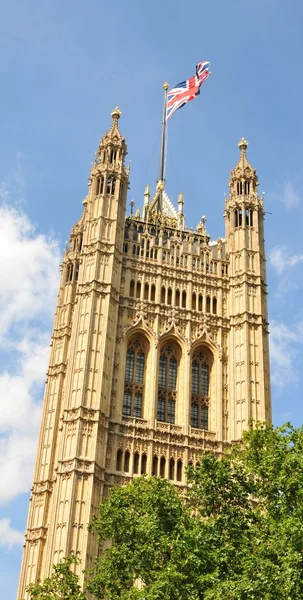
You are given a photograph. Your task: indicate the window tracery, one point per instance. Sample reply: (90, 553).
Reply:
(200, 390)
(167, 384)
(134, 379)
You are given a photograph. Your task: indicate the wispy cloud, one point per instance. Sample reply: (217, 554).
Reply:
(281, 258)
(288, 195)
(29, 282)
(9, 537)
(285, 345)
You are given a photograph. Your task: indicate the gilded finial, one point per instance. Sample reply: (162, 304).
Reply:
(116, 114)
(165, 85)
(243, 144)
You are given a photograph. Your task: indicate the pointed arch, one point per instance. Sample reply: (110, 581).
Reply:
(126, 461)
(179, 470)
(143, 463)
(162, 466)
(155, 465)
(202, 362)
(172, 469)
(119, 460)
(134, 385)
(167, 382)
(136, 463)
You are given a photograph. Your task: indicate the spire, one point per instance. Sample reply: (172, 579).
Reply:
(243, 178)
(243, 147)
(113, 139)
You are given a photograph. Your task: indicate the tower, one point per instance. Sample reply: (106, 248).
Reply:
(159, 350)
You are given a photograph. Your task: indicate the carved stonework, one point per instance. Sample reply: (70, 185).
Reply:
(159, 349)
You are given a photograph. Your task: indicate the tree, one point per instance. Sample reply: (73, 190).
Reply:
(236, 532)
(62, 585)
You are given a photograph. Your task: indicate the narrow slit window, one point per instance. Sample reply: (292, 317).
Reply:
(171, 469)
(136, 463)
(155, 465)
(143, 464)
(119, 460)
(126, 461)
(162, 467)
(179, 470)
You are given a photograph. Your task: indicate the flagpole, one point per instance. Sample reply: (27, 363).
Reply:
(163, 141)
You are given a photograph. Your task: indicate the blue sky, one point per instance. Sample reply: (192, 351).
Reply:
(64, 66)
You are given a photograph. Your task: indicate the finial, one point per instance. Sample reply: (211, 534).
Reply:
(243, 144)
(165, 85)
(201, 225)
(146, 195)
(132, 204)
(116, 114)
(180, 198)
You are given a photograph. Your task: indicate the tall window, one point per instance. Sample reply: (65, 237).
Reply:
(100, 185)
(134, 379)
(167, 385)
(111, 185)
(200, 389)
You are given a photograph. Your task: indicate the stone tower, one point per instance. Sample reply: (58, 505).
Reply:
(159, 350)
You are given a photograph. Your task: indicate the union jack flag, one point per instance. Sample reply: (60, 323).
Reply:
(187, 90)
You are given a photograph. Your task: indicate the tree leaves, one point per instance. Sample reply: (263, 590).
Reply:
(62, 585)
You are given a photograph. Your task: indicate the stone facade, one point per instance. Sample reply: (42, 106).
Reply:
(159, 350)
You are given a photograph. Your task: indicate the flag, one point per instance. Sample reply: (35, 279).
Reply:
(187, 90)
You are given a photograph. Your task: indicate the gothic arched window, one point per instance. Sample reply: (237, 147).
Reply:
(134, 379)
(111, 185)
(200, 389)
(167, 384)
(99, 185)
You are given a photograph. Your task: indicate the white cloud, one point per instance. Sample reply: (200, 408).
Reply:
(280, 258)
(284, 348)
(9, 536)
(288, 195)
(29, 281)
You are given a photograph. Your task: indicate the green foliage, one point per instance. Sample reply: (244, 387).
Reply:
(62, 585)
(237, 535)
